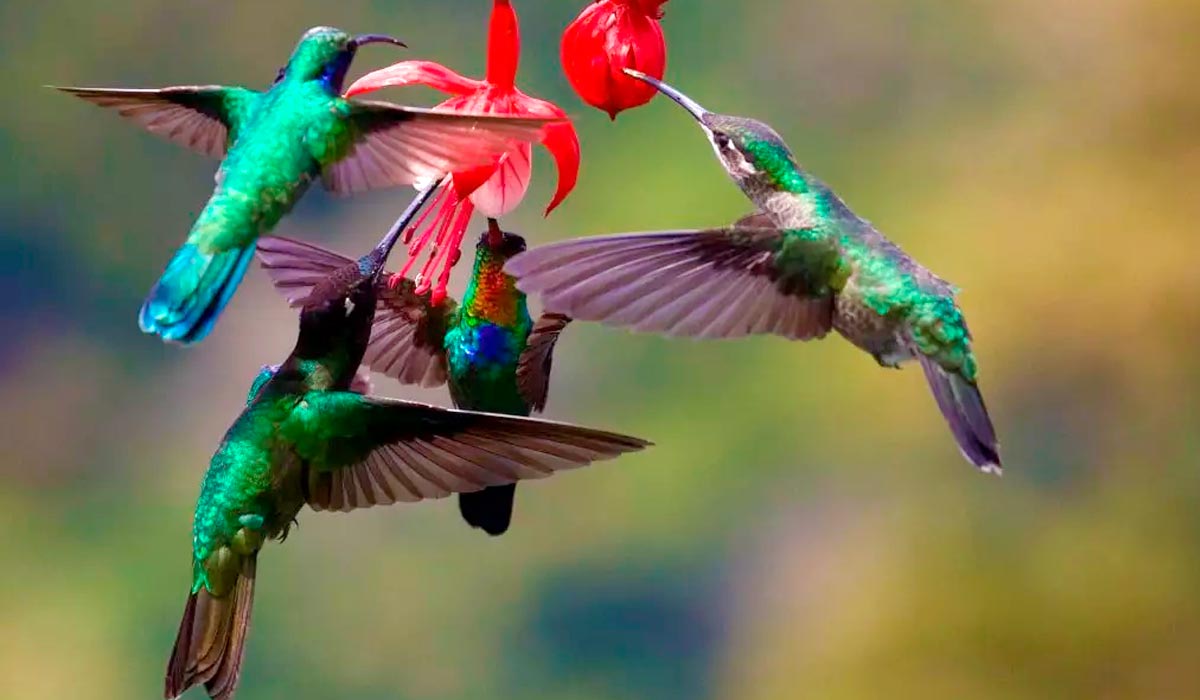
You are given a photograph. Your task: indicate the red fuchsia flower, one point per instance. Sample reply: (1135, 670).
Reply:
(607, 37)
(495, 190)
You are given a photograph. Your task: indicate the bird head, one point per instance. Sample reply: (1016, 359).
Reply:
(325, 53)
(498, 244)
(753, 154)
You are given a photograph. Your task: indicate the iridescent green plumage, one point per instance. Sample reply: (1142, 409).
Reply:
(487, 335)
(275, 144)
(306, 437)
(801, 265)
(483, 346)
(487, 349)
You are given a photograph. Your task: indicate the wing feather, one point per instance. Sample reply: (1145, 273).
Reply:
(405, 145)
(717, 283)
(199, 117)
(533, 367)
(367, 451)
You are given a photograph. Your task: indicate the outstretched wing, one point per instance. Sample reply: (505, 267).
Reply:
(363, 451)
(716, 283)
(533, 367)
(295, 267)
(408, 337)
(204, 118)
(756, 219)
(408, 332)
(396, 145)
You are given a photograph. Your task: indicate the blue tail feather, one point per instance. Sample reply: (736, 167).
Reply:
(185, 303)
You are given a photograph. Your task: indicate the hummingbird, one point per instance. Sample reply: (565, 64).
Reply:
(361, 384)
(274, 143)
(489, 350)
(799, 266)
(307, 438)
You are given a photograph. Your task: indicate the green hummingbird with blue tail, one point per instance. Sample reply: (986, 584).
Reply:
(799, 266)
(488, 349)
(306, 437)
(274, 143)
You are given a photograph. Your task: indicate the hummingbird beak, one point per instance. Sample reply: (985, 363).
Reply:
(683, 100)
(379, 256)
(364, 39)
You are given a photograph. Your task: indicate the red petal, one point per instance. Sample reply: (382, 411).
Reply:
(582, 52)
(560, 140)
(405, 73)
(651, 8)
(468, 181)
(505, 189)
(504, 46)
(607, 37)
(563, 144)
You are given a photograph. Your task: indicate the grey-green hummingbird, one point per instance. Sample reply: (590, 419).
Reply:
(800, 265)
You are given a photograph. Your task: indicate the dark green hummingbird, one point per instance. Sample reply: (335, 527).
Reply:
(307, 438)
(274, 144)
(489, 350)
(801, 265)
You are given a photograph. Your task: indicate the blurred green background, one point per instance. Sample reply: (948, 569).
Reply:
(805, 526)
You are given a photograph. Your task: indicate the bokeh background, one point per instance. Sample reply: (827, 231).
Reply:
(805, 526)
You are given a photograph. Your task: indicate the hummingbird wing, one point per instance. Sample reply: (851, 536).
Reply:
(363, 451)
(533, 367)
(296, 267)
(716, 283)
(408, 336)
(203, 118)
(756, 219)
(396, 145)
(408, 332)
(362, 384)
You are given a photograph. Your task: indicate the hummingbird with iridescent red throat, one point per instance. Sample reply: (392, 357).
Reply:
(308, 437)
(488, 349)
(274, 143)
(800, 265)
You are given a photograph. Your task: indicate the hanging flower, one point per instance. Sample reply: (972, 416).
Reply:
(495, 190)
(607, 37)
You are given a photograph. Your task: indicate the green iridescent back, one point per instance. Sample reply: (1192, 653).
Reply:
(840, 252)
(238, 479)
(284, 139)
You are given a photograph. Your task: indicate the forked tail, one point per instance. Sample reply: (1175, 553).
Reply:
(962, 405)
(184, 304)
(212, 638)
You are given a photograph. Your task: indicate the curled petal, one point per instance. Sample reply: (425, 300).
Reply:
(560, 140)
(563, 144)
(405, 73)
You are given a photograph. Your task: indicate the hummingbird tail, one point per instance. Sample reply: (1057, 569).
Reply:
(962, 405)
(211, 641)
(185, 303)
(489, 510)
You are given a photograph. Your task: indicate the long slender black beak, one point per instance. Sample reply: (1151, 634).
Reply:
(379, 256)
(364, 39)
(693, 107)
